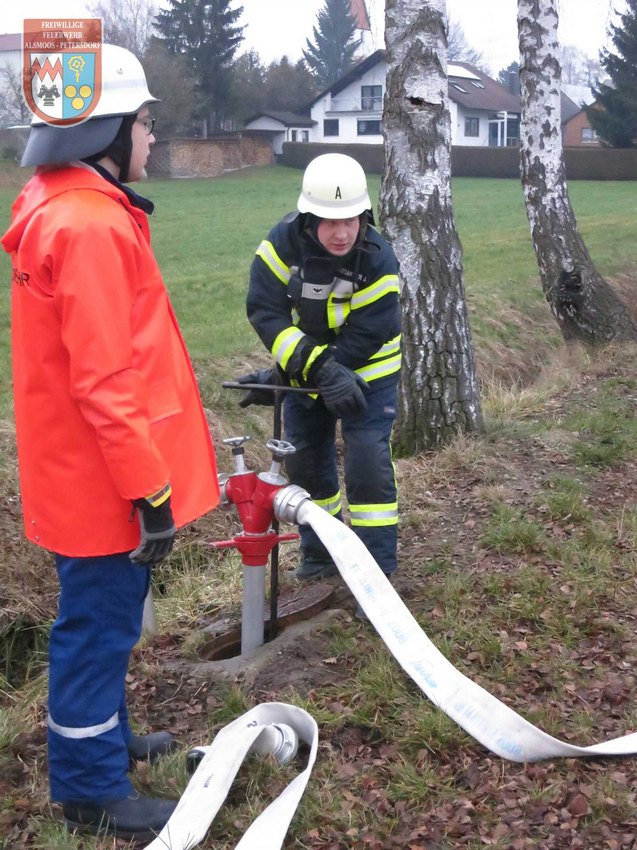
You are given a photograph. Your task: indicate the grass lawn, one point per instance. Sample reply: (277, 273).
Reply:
(205, 233)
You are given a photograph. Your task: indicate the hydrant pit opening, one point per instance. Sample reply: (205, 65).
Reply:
(222, 638)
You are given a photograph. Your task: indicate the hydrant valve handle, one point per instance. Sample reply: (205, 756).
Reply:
(280, 448)
(236, 443)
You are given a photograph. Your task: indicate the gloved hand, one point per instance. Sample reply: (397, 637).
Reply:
(341, 389)
(271, 376)
(157, 532)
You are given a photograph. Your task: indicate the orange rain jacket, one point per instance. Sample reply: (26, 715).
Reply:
(106, 403)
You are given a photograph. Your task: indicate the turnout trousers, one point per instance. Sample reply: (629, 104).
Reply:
(370, 481)
(99, 622)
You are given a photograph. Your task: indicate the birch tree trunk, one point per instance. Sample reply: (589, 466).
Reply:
(586, 308)
(439, 394)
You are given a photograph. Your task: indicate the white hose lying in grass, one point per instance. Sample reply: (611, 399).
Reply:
(488, 720)
(269, 727)
(484, 717)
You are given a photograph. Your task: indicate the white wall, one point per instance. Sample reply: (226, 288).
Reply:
(346, 107)
(458, 115)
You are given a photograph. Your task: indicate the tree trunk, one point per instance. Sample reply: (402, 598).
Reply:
(439, 394)
(586, 308)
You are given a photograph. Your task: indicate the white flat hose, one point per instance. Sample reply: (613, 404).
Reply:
(484, 717)
(209, 785)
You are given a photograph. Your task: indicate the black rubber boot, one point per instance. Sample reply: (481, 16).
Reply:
(135, 817)
(310, 570)
(150, 747)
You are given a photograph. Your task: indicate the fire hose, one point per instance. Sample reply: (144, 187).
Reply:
(277, 727)
(498, 727)
(268, 728)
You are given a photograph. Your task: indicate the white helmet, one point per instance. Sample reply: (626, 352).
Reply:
(334, 186)
(124, 86)
(124, 92)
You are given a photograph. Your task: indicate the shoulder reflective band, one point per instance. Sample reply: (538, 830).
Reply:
(383, 286)
(273, 261)
(209, 785)
(488, 720)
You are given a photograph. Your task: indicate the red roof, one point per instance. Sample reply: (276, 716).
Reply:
(358, 10)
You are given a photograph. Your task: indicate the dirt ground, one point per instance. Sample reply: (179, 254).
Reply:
(571, 803)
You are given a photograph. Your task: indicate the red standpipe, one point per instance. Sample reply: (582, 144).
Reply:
(254, 499)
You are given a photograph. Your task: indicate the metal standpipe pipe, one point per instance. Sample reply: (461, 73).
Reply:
(254, 494)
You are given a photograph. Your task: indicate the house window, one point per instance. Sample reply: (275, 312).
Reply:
(371, 98)
(459, 88)
(369, 128)
(589, 135)
(477, 84)
(330, 127)
(293, 134)
(300, 135)
(472, 127)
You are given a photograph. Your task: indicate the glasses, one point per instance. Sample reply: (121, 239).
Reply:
(149, 125)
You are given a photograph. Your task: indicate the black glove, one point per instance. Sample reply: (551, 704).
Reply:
(341, 389)
(158, 532)
(271, 376)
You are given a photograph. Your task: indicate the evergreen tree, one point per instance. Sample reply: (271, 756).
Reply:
(614, 114)
(504, 75)
(206, 33)
(332, 53)
(288, 87)
(170, 76)
(247, 87)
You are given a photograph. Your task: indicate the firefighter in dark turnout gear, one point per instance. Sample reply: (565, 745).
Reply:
(324, 299)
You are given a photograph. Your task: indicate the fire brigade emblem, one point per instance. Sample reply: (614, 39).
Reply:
(62, 85)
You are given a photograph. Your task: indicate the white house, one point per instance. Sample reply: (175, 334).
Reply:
(281, 127)
(483, 112)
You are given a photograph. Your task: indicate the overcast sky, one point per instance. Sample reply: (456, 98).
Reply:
(280, 27)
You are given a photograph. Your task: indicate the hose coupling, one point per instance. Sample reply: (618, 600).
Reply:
(287, 502)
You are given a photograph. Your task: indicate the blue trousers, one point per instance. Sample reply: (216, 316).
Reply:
(99, 622)
(370, 481)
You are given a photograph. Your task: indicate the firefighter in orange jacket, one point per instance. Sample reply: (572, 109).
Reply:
(113, 446)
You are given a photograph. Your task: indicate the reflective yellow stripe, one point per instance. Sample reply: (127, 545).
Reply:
(318, 349)
(158, 498)
(332, 505)
(337, 313)
(339, 303)
(285, 343)
(374, 370)
(372, 293)
(374, 515)
(273, 261)
(390, 347)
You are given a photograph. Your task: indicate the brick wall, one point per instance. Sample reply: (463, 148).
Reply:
(572, 132)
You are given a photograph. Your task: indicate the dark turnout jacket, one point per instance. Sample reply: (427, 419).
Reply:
(306, 304)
